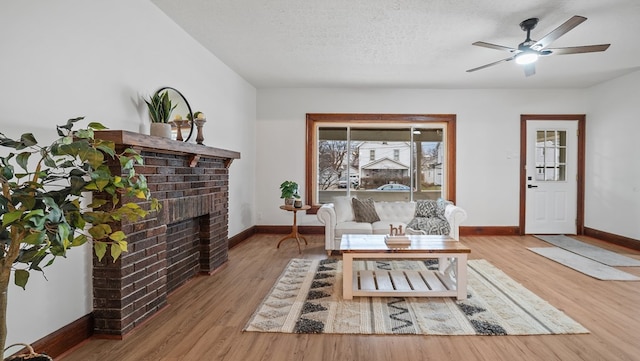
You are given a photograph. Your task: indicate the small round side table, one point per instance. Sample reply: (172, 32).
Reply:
(294, 229)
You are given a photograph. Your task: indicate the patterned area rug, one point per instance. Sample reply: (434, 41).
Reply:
(307, 298)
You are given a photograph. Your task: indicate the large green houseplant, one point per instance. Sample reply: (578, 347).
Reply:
(43, 204)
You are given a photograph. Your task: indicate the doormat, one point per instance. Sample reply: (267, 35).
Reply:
(590, 251)
(307, 298)
(583, 264)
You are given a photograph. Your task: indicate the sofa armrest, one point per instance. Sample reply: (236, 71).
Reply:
(327, 215)
(455, 215)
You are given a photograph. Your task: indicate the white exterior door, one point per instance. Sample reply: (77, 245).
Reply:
(551, 177)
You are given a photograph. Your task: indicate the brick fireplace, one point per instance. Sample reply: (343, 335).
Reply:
(187, 237)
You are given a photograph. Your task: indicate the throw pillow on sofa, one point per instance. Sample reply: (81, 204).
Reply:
(442, 205)
(430, 208)
(429, 217)
(426, 208)
(364, 210)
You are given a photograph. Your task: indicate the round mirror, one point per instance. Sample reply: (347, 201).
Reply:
(181, 117)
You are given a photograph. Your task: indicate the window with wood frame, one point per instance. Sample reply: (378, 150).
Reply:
(380, 156)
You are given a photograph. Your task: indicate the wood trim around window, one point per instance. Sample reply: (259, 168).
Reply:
(449, 121)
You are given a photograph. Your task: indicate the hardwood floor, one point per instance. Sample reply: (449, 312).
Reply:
(204, 319)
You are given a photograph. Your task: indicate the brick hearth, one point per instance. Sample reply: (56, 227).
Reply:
(187, 237)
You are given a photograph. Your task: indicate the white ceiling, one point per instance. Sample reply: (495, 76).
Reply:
(407, 43)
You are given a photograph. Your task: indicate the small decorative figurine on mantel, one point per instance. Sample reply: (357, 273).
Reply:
(199, 120)
(178, 121)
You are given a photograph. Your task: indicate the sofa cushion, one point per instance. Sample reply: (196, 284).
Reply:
(352, 228)
(395, 211)
(364, 210)
(344, 210)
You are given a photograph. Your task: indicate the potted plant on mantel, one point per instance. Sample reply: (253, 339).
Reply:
(160, 109)
(42, 206)
(289, 191)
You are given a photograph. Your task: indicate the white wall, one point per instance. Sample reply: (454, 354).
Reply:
(488, 124)
(613, 157)
(488, 128)
(68, 58)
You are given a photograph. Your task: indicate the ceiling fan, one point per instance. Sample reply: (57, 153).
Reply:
(528, 52)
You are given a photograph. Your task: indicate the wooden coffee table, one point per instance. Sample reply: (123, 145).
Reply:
(450, 280)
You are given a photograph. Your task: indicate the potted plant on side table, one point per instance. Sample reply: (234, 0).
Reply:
(44, 205)
(289, 192)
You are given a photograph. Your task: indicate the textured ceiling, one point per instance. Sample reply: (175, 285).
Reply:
(407, 43)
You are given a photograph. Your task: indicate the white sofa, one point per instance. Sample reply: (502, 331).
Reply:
(338, 219)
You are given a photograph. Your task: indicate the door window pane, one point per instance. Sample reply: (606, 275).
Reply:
(551, 155)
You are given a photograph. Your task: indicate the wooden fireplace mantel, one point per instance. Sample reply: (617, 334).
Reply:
(139, 142)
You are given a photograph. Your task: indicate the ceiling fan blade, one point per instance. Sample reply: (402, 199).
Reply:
(579, 49)
(530, 69)
(558, 32)
(491, 64)
(493, 46)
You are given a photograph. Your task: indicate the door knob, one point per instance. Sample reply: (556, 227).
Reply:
(531, 186)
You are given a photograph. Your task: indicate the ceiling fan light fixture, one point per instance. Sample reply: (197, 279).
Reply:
(526, 57)
(529, 50)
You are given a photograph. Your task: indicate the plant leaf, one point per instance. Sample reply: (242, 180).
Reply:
(123, 245)
(21, 277)
(63, 235)
(92, 156)
(77, 183)
(107, 147)
(35, 238)
(10, 217)
(23, 160)
(100, 249)
(84, 134)
(101, 183)
(7, 172)
(49, 162)
(116, 251)
(79, 240)
(97, 126)
(97, 203)
(118, 236)
(28, 140)
(100, 231)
